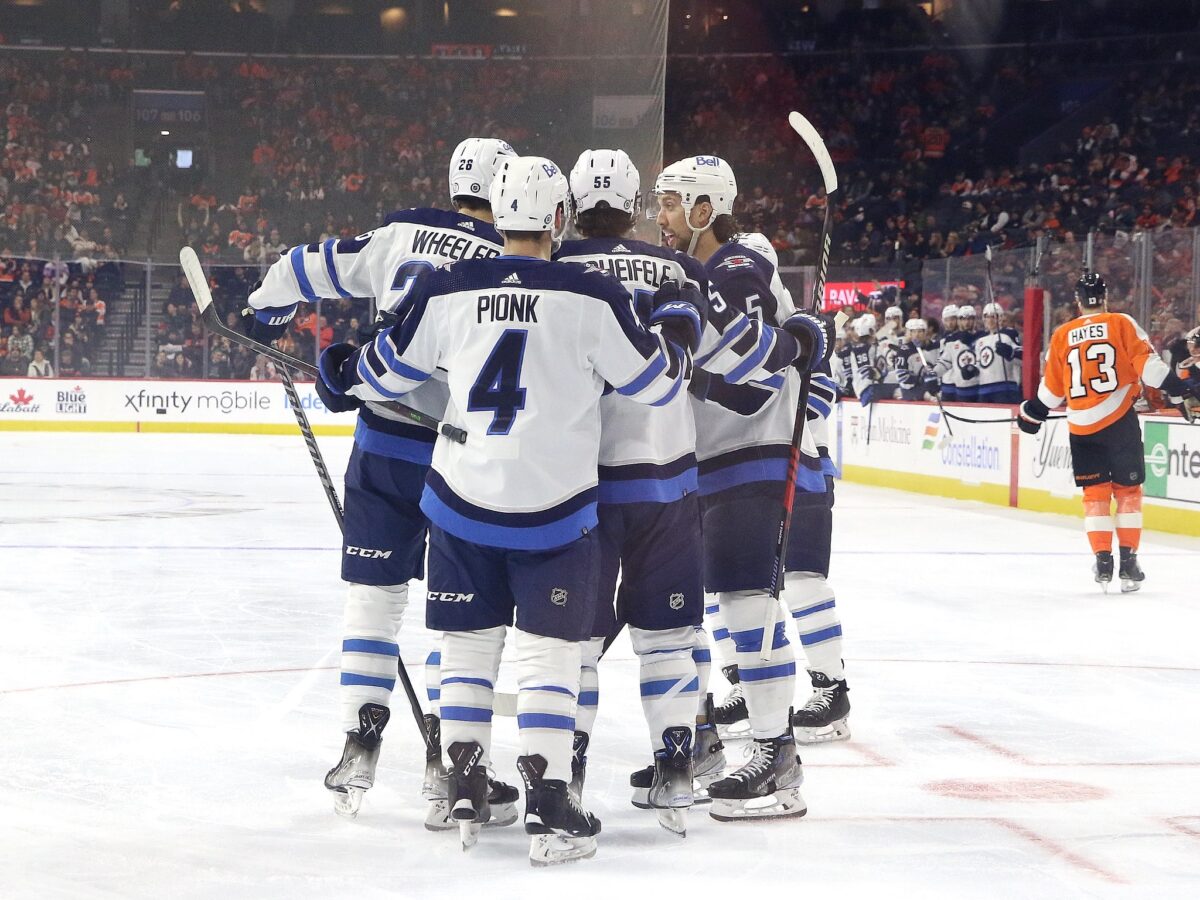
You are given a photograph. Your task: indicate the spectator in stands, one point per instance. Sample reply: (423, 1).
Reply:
(39, 367)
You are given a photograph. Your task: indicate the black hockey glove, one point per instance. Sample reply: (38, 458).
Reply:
(815, 335)
(1031, 415)
(1004, 350)
(338, 373)
(368, 330)
(681, 310)
(970, 372)
(931, 385)
(1178, 388)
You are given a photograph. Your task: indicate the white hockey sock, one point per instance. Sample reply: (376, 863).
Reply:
(470, 665)
(433, 681)
(589, 685)
(668, 678)
(548, 683)
(814, 609)
(726, 653)
(372, 618)
(702, 657)
(767, 685)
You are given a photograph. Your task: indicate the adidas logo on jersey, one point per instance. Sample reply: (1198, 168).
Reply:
(620, 248)
(468, 224)
(511, 279)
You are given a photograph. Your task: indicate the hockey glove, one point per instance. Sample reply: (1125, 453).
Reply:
(1031, 415)
(267, 325)
(338, 373)
(815, 335)
(970, 372)
(699, 383)
(870, 394)
(1177, 388)
(367, 331)
(1004, 350)
(681, 311)
(906, 379)
(931, 385)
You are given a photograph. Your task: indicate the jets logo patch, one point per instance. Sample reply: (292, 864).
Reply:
(737, 262)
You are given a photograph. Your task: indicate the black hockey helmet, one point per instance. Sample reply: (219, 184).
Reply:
(1091, 291)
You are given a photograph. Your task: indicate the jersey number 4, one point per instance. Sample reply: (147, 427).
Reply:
(1105, 380)
(498, 386)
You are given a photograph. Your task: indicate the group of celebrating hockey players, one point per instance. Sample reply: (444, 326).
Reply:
(904, 360)
(591, 492)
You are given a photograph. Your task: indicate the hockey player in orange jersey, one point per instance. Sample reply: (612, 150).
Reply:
(1096, 363)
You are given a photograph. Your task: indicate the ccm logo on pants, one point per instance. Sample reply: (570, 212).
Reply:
(450, 597)
(368, 552)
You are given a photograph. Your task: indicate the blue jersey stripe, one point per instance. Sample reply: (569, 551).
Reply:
(393, 446)
(654, 368)
(384, 348)
(331, 269)
(760, 470)
(658, 688)
(649, 490)
(297, 260)
(553, 688)
(726, 339)
(545, 720)
(766, 673)
(589, 698)
(466, 714)
(351, 678)
(458, 679)
(555, 533)
(765, 338)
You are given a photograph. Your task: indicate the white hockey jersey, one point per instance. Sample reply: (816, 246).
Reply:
(382, 264)
(998, 356)
(528, 346)
(648, 454)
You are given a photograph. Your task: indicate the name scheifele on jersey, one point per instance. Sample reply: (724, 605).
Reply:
(639, 270)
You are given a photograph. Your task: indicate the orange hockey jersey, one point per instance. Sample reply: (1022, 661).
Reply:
(1095, 363)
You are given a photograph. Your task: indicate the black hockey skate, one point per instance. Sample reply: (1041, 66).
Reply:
(766, 787)
(823, 718)
(1102, 568)
(434, 786)
(1130, 573)
(561, 829)
(731, 717)
(670, 792)
(467, 790)
(579, 746)
(356, 771)
(708, 756)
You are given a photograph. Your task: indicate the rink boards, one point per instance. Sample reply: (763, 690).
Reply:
(916, 447)
(911, 446)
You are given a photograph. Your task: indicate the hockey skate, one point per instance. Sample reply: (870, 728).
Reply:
(434, 786)
(560, 829)
(501, 797)
(766, 787)
(467, 790)
(1130, 573)
(708, 755)
(1103, 569)
(823, 718)
(579, 748)
(731, 717)
(356, 772)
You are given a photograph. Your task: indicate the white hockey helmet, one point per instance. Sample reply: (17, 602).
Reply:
(915, 325)
(473, 165)
(949, 311)
(757, 241)
(696, 177)
(606, 176)
(528, 192)
(966, 311)
(993, 309)
(893, 312)
(865, 325)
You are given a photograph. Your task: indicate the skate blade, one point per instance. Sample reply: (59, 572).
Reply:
(347, 801)
(1129, 587)
(438, 817)
(556, 849)
(468, 833)
(826, 734)
(735, 731)
(786, 804)
(673, 820)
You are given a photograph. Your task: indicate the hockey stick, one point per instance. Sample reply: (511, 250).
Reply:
(192, 270)
(817, 147)
(199, 285)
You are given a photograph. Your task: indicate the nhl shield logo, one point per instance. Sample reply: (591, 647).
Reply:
(676, 601)
(558, 596)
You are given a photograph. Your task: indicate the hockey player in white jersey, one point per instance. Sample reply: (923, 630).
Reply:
(948, 348)
(964, 360)
(385, 529)
(860, 361)
(743, 463)
(998, 355)
(649, 510)
(917, 374)
(887, 353)
(528, 345)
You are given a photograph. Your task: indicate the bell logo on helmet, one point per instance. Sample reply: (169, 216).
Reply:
(550, 170)
(707, 161)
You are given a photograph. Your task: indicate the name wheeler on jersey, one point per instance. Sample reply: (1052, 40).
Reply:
(528, 346)
(733, 448)
(383, 264)
(648, 454)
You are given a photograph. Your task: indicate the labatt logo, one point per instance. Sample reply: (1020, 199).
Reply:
(20, 402)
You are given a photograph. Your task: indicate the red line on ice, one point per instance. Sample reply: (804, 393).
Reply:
(81, 684)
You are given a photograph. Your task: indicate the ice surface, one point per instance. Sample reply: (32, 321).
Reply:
(169, 623)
